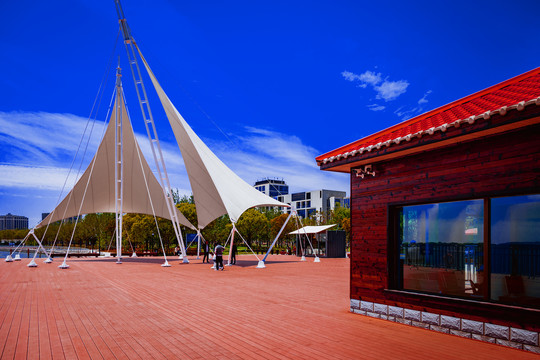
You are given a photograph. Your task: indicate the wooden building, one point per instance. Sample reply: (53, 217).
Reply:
(446, 217)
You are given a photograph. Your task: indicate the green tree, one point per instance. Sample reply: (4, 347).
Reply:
(338, 214)
(342, 217)
(218, 230)
(189, 211)
(177, 198)
(253, 225)
(277, 223)
(141, 231)
(270, 213)
(97, 228)
(168, 236)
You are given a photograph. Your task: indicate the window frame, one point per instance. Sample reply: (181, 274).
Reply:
(395, 273)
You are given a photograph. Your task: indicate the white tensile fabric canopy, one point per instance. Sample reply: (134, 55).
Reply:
(98, 181)
(217, 190)
(311, 229)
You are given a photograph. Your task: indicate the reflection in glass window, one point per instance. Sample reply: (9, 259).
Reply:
(515, 250)
(441, 248)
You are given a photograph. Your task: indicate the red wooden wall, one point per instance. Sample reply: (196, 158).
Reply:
(505, 164)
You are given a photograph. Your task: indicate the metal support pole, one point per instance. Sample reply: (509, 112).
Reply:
(148, 118)
(118, 165)
(232, 243)
(277, 237)
(198, 242)
(33, 262)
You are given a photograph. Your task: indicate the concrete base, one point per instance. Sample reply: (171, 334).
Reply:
(118, 261)
(48, 261)
(9, 258)
(303, 258)
(317, 259)
(32, 264)
(134, 255)
(64, 266)
(496, 334)
(17, 257)
(185, 260)
(261, 265)
(166, 264)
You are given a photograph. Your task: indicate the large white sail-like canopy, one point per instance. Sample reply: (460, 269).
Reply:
(96, 189)
(217, 190)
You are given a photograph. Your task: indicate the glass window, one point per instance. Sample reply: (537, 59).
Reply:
(515, 250)
(441, 248)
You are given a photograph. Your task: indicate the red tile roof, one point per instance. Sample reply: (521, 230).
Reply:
(515, 93)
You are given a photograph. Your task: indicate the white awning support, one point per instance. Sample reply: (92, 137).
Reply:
(277, 237)
(40, 246)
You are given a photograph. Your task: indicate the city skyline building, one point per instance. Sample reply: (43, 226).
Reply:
(305, 203)
(272, 187)
(308, 203)
(13, 222)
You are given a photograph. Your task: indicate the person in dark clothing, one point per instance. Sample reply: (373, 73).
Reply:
(206, 250)
(219, 257)
(233, 254)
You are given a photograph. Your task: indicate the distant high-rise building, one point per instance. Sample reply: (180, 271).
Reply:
(272, 187)
(44, 215)
(11, 222)
(309, 202)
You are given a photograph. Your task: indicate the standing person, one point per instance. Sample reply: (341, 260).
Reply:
(206, 251)
(177, 251)
(233, 254)
(219, 256)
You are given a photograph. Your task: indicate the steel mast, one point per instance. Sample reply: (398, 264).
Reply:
(118, 164)
(148, 118)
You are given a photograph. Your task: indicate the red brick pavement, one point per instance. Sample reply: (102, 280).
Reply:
(140, 310)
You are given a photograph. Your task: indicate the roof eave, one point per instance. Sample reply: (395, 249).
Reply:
(496, 122)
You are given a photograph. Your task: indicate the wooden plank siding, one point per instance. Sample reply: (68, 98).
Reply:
(495, 165)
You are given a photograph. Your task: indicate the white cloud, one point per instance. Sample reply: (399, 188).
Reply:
(376, 107)
(407, 113)
(390, 90)
(261, 153)
(255, 154)
(370, 78)
(39, 177)
(424, 100)
(44, 137)
(385, 89)
(350, 76)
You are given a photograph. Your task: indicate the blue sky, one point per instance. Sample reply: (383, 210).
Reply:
(267, 85)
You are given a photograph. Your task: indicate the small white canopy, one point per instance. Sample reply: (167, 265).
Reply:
(217, 190)
(98, 180)
(311, 229)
